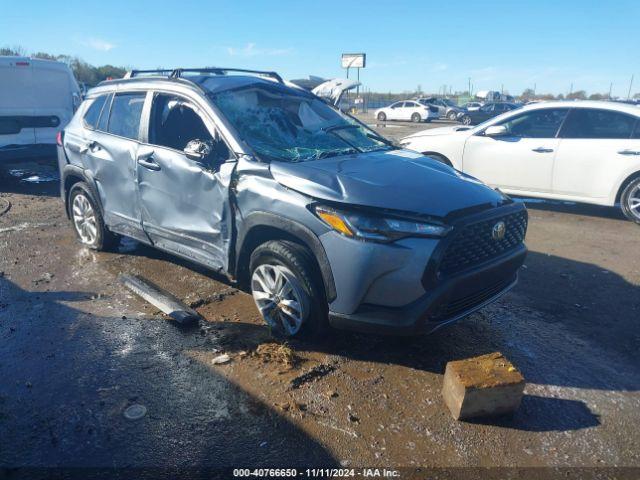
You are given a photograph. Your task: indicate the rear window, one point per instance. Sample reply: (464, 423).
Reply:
(92, 115)
(126, 110)
(104, 117)
(593, 123)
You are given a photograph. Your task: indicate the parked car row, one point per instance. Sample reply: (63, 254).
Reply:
(583, 151)
(431, 108)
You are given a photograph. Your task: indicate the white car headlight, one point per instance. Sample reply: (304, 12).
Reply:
(377, 229)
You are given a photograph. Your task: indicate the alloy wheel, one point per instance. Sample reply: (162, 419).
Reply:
(633, 202)
(279, 297)
(84, 219)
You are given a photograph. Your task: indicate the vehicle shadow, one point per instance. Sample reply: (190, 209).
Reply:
(33, 176)
(69, 375)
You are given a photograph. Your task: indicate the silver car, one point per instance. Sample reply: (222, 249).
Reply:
(324, 221)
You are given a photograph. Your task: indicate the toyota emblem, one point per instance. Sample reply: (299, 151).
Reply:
(499, 229)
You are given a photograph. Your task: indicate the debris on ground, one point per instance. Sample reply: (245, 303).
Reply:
(216, 297)
(135, 412)
(292, 406)
(316, 372)
(482, 386)
(5, 205)
(220, 359)
(159, 298)
(44, 278)
(280, 353)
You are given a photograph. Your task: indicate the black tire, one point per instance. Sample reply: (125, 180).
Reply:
(299, 261)
(452, 116)
(466, 120)
(104, 239)
(628, 200)
(416, 118)
(382, 117)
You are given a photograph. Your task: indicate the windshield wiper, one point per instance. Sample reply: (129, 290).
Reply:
(335, 153)
(338, 127)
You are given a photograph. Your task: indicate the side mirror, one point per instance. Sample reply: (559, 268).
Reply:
(496, 131)
(197, 150)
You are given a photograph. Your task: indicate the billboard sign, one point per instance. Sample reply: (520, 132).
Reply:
(353, 60)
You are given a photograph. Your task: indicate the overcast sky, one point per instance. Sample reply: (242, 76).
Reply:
(551, 44)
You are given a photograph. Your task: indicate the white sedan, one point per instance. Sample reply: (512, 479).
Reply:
(577, 151)
(407, 110)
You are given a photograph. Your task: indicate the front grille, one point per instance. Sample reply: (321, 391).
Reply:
(461, 305)
(474, 243)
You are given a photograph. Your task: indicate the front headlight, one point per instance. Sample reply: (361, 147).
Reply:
(378, 229)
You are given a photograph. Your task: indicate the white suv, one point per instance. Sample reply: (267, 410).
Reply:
(577, 151)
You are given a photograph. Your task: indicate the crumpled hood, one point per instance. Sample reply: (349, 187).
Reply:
(398, 180)
(452, 129)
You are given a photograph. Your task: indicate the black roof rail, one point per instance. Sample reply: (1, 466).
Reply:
(177, 73)
(161, 72)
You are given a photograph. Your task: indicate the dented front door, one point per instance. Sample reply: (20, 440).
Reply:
(184, 204)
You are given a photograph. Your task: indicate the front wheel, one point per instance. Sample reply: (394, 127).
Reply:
(382, 117)
(630, 201)
(452, 116)
(416, 118)
(287, 290)
(466, 120)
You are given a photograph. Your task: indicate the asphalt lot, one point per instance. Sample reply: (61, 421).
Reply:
(77, 349)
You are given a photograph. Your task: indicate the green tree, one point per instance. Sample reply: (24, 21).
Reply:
(15, 51)
(528, 94)
(577, 95)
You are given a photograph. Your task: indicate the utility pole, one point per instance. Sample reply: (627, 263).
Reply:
(630, 84)
(610, 88)
(469, 91)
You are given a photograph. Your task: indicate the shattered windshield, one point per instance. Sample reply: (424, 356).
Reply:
(282, 124)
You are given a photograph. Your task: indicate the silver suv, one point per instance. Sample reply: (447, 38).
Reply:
(321, 218)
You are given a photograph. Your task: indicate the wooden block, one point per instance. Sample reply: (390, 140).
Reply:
(482, 386)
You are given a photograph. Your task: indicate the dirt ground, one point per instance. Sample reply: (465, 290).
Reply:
(77, 349)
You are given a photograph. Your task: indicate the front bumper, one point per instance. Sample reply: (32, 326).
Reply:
(451, 300)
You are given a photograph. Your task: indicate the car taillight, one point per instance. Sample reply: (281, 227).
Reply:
(59, 138)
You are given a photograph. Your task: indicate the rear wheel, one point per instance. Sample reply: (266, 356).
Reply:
(382, 117)
(630, 201)
(287, 290)
(416, 118)
(466, 120)
(87, 219)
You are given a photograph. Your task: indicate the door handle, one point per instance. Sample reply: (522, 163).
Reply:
(148, 163)
(542, 150)
(629, 152)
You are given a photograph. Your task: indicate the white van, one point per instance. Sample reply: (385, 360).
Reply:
(37, 99)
